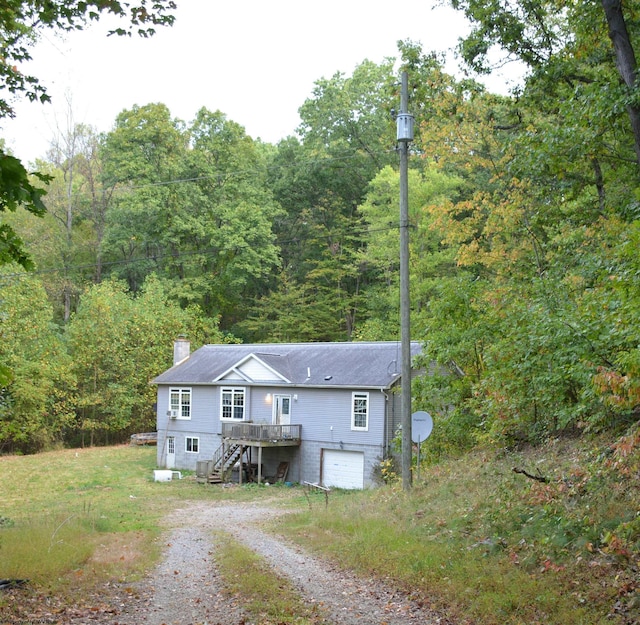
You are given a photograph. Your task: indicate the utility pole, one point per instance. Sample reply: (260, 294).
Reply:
(405, 136)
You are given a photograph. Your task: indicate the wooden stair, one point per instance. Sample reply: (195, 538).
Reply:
(224, 458)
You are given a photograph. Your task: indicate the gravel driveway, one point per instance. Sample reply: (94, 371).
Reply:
(185, 588)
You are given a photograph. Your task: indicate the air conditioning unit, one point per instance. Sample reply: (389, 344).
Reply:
(172, 414)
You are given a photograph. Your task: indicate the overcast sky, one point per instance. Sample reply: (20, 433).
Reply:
(254, 60)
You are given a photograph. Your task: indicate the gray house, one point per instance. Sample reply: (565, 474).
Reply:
(324, 413)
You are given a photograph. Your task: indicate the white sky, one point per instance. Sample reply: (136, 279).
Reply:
(255, 60)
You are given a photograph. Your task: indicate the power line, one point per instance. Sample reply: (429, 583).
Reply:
(129, 186)
(345, 156)
(180, 255)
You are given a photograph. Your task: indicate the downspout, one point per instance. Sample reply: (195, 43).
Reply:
(386, 420)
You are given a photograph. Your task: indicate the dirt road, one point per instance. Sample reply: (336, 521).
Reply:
(185, 588)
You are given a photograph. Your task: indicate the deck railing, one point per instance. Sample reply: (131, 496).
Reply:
(260, 432)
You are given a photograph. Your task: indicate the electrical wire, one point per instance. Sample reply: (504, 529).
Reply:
(7, 277)
(127, 186)
(206, 252)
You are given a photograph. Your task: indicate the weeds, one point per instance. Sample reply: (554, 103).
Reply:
(473, 539)
(266, 597)
(486, 544)
(44, 549)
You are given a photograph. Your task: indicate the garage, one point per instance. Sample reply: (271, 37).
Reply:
(342, 469)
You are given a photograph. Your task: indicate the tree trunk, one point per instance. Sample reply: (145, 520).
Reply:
(625, 60)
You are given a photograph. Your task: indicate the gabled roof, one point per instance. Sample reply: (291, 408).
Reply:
(354, 365)
(253, 368)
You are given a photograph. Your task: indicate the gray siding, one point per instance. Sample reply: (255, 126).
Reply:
(324, 414)
(208, 443)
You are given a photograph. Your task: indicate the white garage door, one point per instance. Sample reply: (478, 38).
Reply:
(343, 469)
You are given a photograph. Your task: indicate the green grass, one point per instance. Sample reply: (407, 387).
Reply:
(484, 544)
(59, 507)
(473, 539)
(42, 549)
(266, 597)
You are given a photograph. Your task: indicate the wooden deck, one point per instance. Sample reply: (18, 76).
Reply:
(260, 435)
(242, 435)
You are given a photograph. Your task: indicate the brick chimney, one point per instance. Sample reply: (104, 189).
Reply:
(181, 349)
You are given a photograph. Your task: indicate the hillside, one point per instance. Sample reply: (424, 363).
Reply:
(548, 534)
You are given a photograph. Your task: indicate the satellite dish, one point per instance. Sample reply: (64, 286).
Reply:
(421, 426)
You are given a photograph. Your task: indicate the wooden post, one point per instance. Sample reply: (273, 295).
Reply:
(405, 302)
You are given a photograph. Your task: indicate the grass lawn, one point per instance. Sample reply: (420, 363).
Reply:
(474, 539)
(60, 510)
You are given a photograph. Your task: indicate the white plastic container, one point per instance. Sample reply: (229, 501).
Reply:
(162, 475)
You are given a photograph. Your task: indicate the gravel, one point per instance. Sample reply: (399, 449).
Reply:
(185, 587)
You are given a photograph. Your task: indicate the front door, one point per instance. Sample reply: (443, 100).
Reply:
(282, 409)
(171, 452)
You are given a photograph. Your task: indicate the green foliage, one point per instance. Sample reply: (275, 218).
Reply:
(36, 399)
(531, 31)
(346, 135)
(118, 343)
(429, 188)
(193, 207)
(21, 21)
(16, 189)
(514, 315)
(560, 551)
(523, 234)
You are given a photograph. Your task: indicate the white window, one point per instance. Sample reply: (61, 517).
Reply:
(232, 404)
(180, 403)
(192, 444)
(360, 411)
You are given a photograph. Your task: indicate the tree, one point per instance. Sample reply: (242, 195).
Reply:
(16, 189)
(625, 61)
(118, 342)
(527, 243)
(78, 204)
(429, 188)
(144, 165)
(347, 134)
(192, 205)
(65, 244)
(21, 22)
(37, 392)
(236, 212)
(564, 45)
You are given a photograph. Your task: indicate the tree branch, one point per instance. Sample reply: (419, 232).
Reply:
(538, 478)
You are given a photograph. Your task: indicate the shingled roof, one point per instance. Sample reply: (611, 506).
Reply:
(354, 365)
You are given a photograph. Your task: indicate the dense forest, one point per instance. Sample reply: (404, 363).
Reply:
(524, 239)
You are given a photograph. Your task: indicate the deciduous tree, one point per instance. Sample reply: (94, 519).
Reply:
(37, 389)
(21, 22)
(118, 342)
